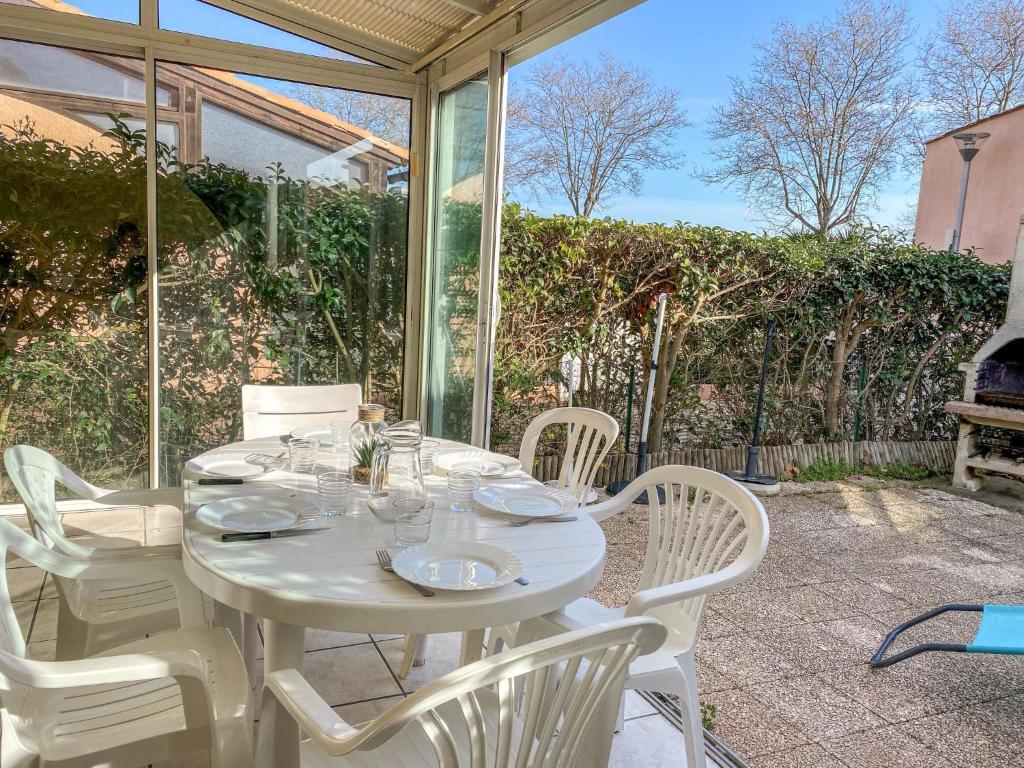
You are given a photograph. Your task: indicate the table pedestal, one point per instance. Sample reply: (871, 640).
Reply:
(283, 648)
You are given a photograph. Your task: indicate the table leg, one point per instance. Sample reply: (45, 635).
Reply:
(283, 648)
(472, 646)
(251, 648)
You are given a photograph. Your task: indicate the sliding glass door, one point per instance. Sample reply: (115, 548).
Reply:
(458, 206)
(283, 249)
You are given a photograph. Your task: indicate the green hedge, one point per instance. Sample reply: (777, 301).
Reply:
(906, 314)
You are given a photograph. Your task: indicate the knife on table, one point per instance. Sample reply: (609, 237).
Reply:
(257, 535)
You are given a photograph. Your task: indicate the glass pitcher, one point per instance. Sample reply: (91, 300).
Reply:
(397, 470)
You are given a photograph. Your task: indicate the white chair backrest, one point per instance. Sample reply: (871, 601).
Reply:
(567, 681)
(268, 411)
(35, 475)
(591, 435)
(13, 664)
(707, 524)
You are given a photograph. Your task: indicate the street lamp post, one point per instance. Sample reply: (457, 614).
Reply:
(968, 145)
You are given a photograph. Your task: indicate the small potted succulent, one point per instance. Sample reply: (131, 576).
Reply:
(362, 460)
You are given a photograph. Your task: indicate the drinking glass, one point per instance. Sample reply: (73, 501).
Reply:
(302, 453)
(339, 441)
(412, 520)
(335, 489)
(428, 448)
(462, 484)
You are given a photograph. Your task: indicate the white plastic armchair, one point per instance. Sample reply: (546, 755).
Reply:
(591, 434)
(269, 411)
(709, 533)
(82, 489)
(146, 589)
(470, 719)
(151, 700)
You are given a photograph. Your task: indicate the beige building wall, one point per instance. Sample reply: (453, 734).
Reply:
(995, 197)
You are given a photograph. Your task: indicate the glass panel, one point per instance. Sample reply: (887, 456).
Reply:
(115, 10)
(166, 133)
(282, 257)
(73, 377)
(458, 204)
(43, 69)
(198, 18)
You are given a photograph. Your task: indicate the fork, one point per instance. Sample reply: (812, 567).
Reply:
(521, 523)
(384, 561)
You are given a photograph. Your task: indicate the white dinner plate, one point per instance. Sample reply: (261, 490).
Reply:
(256, 513)
(525, 500)
(457, 565)
(224, 464)
(321, 433)
(486, 463)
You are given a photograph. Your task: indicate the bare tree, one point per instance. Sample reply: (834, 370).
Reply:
(974, 62)
(383, 116)
(827, 114)
(589, 130)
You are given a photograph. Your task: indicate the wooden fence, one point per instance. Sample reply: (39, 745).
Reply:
(774, 459)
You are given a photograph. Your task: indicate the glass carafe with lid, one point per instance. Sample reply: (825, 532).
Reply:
(363, 441)
(397, 468)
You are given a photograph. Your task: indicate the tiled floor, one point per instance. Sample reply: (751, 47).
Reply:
(356, 674)
(782, 658)
(784, 655)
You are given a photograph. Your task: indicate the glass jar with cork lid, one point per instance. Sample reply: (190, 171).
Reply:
(363, 441)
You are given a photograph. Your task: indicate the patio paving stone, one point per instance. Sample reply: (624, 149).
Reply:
(892, 746)
(819, 712)
(798, 757)
(749, 729)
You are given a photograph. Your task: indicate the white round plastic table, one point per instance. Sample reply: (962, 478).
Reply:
(331, 579)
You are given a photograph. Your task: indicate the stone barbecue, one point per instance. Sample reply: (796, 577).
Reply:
(992, 411)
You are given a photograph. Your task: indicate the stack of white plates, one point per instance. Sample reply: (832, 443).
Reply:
(525, 499)
(488, 464)
(457, 565)
(256, 513)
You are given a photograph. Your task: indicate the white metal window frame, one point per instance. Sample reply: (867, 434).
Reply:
(150, 44)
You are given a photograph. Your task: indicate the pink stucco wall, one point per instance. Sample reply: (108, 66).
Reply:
(995, 197)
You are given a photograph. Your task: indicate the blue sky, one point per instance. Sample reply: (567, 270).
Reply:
(692, 47)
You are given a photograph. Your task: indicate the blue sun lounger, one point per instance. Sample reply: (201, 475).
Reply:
(1001, 631)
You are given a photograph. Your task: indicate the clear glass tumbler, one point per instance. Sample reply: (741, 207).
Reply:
(462, 484)
(302, 453)
(412, 520)
(428, 449)
(335, 489)
(340, 431)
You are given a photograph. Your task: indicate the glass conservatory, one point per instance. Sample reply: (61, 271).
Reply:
(201, 195)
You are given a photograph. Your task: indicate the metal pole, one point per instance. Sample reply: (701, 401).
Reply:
(755, 440)
(629, 404)
(955, 245)
(641, 459)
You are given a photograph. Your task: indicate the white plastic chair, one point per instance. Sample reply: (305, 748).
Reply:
(152, 700)
(151, 592)
(470, 718)
(591, 435)
(709, 533)
(270, 410)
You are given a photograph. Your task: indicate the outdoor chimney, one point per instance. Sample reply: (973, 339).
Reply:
(994, 391)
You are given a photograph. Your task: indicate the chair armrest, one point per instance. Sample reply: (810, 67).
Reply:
(142, 497)
(648, 599)
(185, 666)
(107, 670)
(191, 606)
(312, 714)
